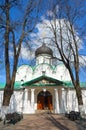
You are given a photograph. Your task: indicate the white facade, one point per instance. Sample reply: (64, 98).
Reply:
(58, 99)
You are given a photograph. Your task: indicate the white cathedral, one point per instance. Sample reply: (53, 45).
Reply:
(43, 87)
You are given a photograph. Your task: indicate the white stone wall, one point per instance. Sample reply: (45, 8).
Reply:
(84, 100)
(72, 103)
(1, 98)
(20, 102)
(72, 100)
(26, 101)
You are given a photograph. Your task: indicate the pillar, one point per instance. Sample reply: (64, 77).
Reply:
(60, 100)
(32, 98)
(66, 92)
(68, 101)
(56, 102)
(26, 95)
(25, 101)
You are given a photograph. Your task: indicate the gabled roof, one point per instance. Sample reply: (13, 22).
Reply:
(43, 81)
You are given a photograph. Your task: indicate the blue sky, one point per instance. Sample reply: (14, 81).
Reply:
(16, 13)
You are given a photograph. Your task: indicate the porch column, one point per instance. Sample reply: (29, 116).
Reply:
(25, 101)
(26, 94)
(32, 98)
(66, 92)
(60, 99)
(62, 95)
(68, 101)
(56, 103)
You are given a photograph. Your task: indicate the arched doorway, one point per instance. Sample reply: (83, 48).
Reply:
(44, 101)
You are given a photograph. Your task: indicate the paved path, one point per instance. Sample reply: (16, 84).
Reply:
(42, 122)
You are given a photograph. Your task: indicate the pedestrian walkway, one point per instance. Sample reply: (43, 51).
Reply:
(42, 122)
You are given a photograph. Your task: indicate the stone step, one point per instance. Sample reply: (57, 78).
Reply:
(43, 111)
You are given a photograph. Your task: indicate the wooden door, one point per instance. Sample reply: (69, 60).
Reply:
(50, 107)
(40, 104)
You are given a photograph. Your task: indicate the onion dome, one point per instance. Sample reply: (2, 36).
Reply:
(44, 50)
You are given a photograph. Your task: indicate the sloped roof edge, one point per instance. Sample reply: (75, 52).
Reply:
(58, 82)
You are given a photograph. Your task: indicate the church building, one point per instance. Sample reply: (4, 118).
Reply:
(45, 87)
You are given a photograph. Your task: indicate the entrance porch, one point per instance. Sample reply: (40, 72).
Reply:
(45, 93)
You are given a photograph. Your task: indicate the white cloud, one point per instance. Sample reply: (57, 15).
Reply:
(51, 13)
(26, 53)
(45, 34)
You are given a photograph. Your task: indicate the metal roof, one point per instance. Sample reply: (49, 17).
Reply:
(37, 82)
(17, 85)
(44, 50)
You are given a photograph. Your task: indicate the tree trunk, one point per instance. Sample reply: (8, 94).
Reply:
(7, 95)
(79, 94)
(79, 98)
(7, 91)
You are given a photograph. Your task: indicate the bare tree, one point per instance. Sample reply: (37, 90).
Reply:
(15, 31)
(63, 25)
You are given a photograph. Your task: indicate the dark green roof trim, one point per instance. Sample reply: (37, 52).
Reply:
(55, 82)
(70, 85)
(83, 84)
(17, 85)
(41, 85)
(2, 86)
(31, 83)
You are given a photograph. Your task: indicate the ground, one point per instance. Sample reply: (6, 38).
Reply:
(43, 122)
